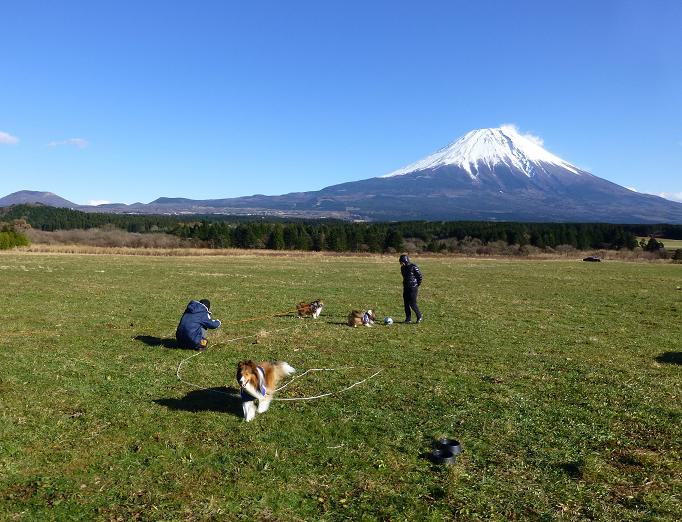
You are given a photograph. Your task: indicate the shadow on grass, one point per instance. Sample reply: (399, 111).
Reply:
(166, 342)
(572, 469)
(670, 358)
(220, 399)
(428, 455)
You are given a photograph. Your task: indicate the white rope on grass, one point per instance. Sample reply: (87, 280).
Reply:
(182, 362)
(296, 377)
(325, 394)
(177, 374)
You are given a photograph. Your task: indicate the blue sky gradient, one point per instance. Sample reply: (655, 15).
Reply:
(129, 101)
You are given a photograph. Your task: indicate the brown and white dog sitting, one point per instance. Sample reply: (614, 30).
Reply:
(258, 383)
(357, 318)
(313, 309)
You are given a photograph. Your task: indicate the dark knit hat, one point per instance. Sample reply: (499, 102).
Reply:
(206, 303)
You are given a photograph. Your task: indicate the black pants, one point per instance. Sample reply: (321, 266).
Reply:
(410, 300)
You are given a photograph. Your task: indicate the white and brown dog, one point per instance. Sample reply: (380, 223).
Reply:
(258, 383)
(357, 318)
(313, 309)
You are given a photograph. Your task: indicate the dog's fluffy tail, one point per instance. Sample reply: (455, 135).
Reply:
(281, 369)
(286, 369)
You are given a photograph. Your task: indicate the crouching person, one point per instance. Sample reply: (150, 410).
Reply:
(191, 332)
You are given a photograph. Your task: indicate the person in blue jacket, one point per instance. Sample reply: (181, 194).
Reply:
(191, 332)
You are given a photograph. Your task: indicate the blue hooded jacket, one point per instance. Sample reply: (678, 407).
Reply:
(191, 328)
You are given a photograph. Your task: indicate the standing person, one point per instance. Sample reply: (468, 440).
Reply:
(191, 332)
(412, 278)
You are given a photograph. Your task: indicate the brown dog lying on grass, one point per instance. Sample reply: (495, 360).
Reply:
(313, 309)
(357, 318)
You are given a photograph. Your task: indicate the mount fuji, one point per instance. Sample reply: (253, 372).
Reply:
(488, 174)
(484, 149)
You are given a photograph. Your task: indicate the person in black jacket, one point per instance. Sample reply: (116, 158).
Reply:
(191, 332)
(412, 279)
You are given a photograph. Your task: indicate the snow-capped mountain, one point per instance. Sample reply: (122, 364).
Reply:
(489, 148)
(488, 174)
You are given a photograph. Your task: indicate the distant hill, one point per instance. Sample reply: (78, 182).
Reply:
(24, 197)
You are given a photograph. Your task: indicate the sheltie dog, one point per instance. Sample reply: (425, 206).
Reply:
(313, 309)
(357, 318)
(258, 383)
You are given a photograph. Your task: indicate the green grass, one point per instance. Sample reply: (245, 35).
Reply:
(669, 244)
(560, 378)
(672, 244)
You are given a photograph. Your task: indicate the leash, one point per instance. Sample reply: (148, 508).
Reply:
(183, 361)
(308, 398)
(267, 316)
(324, 394)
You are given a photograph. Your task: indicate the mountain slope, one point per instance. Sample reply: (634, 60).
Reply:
(488, 174)
(490, 147)
(24, 197)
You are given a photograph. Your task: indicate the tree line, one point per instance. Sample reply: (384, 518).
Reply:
(50, 219)
(342, 236)
(10, 238)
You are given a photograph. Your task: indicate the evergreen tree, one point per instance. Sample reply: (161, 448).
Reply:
(337, 239)
(394, 240)
(276, 239)
(319, 240)
(303, 240)
(653, 245)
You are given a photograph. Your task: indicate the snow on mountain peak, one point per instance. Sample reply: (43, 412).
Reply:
(490, 147)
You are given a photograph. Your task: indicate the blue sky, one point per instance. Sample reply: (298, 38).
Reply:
(129, 101)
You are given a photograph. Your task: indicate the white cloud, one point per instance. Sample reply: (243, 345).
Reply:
(95, 202)
(672, 196)
(7, 139)
(76, 142)
(532, 137)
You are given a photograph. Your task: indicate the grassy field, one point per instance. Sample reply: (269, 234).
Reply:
(561, 379)
(670, 244)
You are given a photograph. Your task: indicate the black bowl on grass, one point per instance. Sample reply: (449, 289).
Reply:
(443, 456)
(451, 445)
